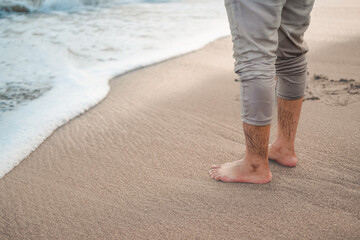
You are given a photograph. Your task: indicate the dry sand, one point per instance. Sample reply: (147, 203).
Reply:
(136, 165)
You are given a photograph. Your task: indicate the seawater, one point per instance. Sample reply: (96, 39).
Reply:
(57, 56)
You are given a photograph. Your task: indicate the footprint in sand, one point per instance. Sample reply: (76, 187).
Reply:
(332, 92)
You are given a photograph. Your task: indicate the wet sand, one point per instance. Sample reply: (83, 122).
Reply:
(136, 165)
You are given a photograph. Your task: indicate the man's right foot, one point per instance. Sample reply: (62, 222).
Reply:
(282, 155)
(241, 171)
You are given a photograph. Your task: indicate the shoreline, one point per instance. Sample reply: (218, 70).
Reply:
(40, 137)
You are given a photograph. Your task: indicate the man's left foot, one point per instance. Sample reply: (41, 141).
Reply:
(282, 155)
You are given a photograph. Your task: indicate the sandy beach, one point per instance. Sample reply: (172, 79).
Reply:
(136, 165)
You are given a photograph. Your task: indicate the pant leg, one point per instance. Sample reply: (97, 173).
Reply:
(254, 25)
(291, 64)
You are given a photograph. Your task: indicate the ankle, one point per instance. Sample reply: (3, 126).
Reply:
(257, 165)
(283, 145)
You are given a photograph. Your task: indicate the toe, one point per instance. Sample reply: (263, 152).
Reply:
(215, 166)
(214, 173)
(211, 172)
(223, 178)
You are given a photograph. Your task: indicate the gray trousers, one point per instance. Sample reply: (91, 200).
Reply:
(268, 39)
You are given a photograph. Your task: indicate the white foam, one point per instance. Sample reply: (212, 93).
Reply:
(75, 54)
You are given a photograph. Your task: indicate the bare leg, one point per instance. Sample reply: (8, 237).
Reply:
(254, 168)
(282, 150)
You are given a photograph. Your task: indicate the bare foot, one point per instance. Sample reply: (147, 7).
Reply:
(241, 171)
(282, 155)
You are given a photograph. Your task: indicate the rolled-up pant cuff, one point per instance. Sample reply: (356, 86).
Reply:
(257, 99)
(291, 87)
(256, 122)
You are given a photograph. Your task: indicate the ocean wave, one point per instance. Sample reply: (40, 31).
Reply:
(36, 6)
(43, 6)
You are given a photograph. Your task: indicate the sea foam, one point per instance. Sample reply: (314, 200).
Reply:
(55, 62)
